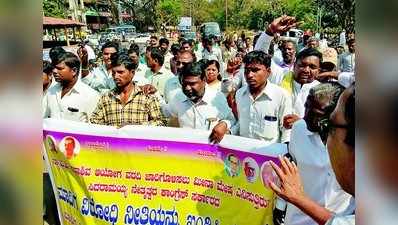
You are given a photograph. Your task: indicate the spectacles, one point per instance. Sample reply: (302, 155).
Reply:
(182, 63)
(326, 125)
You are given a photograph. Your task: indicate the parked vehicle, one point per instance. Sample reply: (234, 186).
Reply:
(210, 28)
(293, 34)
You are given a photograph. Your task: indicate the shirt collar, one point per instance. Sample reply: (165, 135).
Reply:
(161, 71)
(206, 99)
(137, 90)
(267, 91)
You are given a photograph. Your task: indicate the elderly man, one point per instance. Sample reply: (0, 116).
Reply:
(308, 148)
(341, 149)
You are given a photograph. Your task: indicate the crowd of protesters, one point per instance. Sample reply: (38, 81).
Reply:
(269, 89)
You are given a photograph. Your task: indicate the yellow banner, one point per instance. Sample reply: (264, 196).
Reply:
(125, 178)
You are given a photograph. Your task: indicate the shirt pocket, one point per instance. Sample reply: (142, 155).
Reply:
(269, 127)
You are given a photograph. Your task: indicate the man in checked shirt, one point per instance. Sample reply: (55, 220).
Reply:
(126, 104)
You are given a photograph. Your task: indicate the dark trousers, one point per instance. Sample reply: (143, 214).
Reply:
(50, 206)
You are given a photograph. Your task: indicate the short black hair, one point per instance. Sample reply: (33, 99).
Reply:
(164, 40)
(123, 59)
(55, 53)
(153, 37)
(133, 50)
(175, 48)
(215, 62)
(259, 57)
(309, 52)
(47, 67)
(135, 47)
(208, 40)
(71, 60)
(157, 55)
(183, 51)
(193, 69)
(186, 42)
(110, 44)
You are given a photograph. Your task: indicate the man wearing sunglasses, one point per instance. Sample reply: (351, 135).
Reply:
(308, 149)
(173, 85)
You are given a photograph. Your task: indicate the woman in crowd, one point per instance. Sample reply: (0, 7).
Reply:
(213, 75)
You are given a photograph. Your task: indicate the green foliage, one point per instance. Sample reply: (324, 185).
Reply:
(169, 12)
(54, 8)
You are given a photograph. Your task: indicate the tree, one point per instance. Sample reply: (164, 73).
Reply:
(168, 12)
(344, 10)
(54, 8)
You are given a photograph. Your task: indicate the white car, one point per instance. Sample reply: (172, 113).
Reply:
(140, 39)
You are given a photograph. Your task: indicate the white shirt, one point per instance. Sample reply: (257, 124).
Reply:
(347, 62)
(263, 42)
(205, 114)
(99, 79)
(167, 58)
(342, 220)
(262, 118)
(215, 54)
(159, 79)
(81, 98)
(299, 96)
(277, 73)
(346, 78)
(141, 70)
(90, 52)
(171, 88)
(317, 176)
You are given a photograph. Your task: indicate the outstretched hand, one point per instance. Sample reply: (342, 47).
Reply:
(290, 188)
(282, 24)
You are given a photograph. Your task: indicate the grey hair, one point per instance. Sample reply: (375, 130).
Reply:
(328, 90)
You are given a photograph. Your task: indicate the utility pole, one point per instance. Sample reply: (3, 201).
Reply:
(120, 13)
(226, 14)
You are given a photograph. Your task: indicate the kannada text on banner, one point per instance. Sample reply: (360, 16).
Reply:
(122, 179)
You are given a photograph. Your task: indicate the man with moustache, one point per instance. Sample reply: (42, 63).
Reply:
(288, 49)
(69, 98)
(199, 107)
(299, 82)
(100, 79)
(126, 104)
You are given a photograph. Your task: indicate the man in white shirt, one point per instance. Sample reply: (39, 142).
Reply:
(262, 105)
(70, 98)
(157, 74)
(308, 148)
(173, 85)
(288, 50)
(209, 51)
(164, 47)
(100, 79)
(199, 107)
(341, 149)
(139, 75)
(307, 66)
